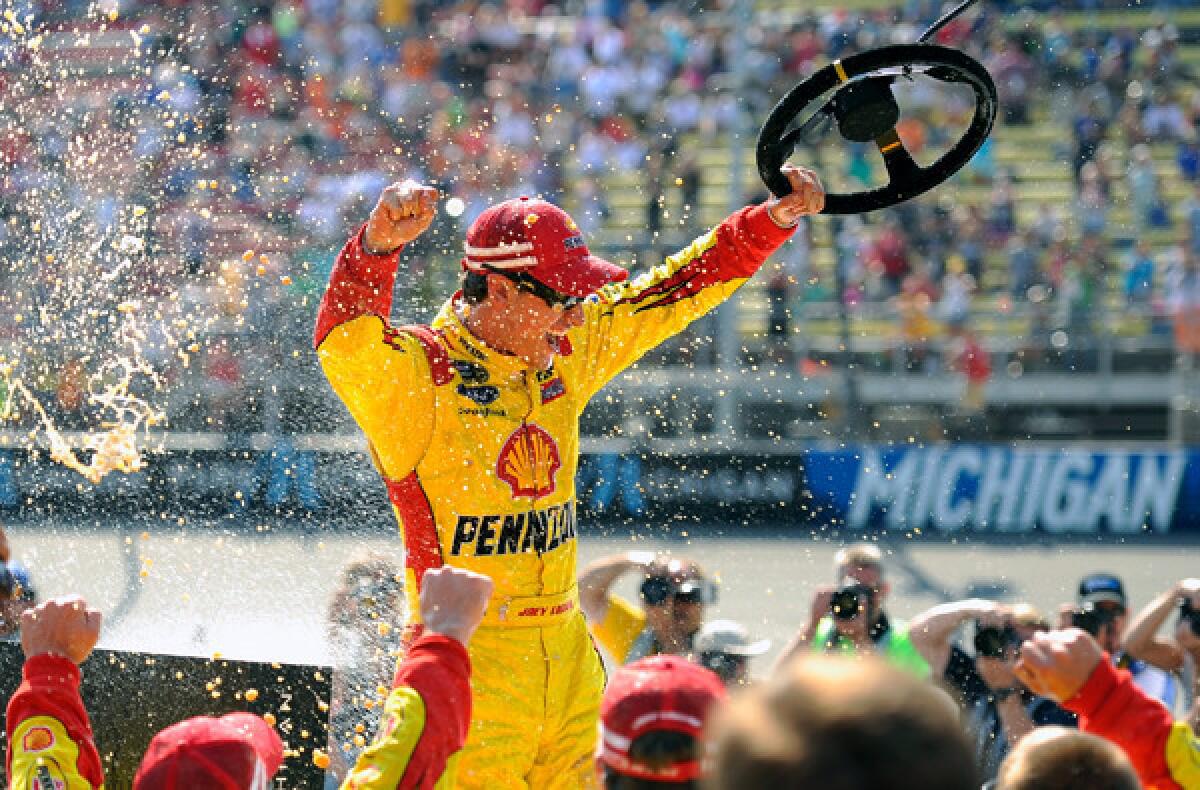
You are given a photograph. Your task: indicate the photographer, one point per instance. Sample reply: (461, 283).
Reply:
(1177, 654)
(725, 647)
(850, 618)
(1100, 610)
(674, 595)
(997, 709)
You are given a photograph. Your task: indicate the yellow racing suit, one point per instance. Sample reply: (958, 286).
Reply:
(479, 455)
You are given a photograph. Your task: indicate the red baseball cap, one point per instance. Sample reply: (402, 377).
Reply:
(541, 240)
(656, 693)
(238, 751)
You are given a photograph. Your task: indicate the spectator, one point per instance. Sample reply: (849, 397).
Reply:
(1145, 194)
(652, 723)
(825, 722)
(852, 618)
(1183, 303)
(1178, 653)
(1070, 667)
(915, 305)
(888, 255)
(1138, 286)
(725, 647)
(1189, 210)
(966, 355)
(366, 617)
(674, 593)
(1062, 759)
(1101, 609)
(997, 710)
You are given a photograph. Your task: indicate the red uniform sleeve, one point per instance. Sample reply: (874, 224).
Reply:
(1111, 706)
(360, 284)
(437, 667)
(425, 721)
(50, 737)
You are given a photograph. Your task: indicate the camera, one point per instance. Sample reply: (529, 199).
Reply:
(1192, 615)
(847, 602)
(1092, 618)
(657, 589)
(993, 641)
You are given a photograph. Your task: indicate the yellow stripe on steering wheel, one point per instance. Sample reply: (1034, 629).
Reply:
(841, 72)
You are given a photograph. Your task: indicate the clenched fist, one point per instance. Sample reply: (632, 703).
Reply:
(404, 211)
(64, 626)
(807, 196)
(453, 601)
(1057, 664)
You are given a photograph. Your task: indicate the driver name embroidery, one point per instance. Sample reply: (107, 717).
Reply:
(529, 462)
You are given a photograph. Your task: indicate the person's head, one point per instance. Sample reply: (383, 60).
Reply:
(16, 595)
(859, 570)
(238, 751)
(1055, 758)
(838, 723)
(652, 720)
(527, 272)
(1100, 609)
(725, 647)
(674, 594)
(371, 587)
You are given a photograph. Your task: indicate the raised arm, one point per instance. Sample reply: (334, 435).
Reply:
(597, 579)
(630, 318)
(428, 713)
(381, 374)
(1141, 639)
(47, 723)
(1070, 667)
(932, 630)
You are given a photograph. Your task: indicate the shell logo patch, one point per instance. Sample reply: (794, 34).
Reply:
(38, 739)
(529, 461)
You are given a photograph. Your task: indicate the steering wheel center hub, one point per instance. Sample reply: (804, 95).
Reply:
(866, 109)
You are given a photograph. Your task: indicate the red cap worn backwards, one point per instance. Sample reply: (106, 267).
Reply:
(238, 751)
(656, 693)
(541, 240)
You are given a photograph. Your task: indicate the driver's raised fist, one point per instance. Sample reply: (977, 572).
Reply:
(404, 211)
(807, 196)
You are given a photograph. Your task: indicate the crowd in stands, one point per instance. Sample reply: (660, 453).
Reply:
(1090, 698)
(267, 126)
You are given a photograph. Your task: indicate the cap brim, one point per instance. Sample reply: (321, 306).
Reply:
(581, 277)
(749, 650)
(1103, 596)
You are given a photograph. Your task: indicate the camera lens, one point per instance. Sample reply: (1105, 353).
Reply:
(845, 604)
(993, 642)
(656, 589)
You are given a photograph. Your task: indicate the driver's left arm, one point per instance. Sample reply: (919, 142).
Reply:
(630, 318)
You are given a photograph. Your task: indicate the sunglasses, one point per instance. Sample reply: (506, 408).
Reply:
(552, 298)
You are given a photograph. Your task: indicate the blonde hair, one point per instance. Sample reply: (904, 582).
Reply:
(859, 555)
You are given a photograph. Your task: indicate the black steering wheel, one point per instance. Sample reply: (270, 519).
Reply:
(865, 110)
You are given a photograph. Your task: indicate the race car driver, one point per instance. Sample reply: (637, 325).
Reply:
(473, 422)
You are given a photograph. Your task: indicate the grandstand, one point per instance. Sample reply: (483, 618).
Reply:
(1115, 374)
